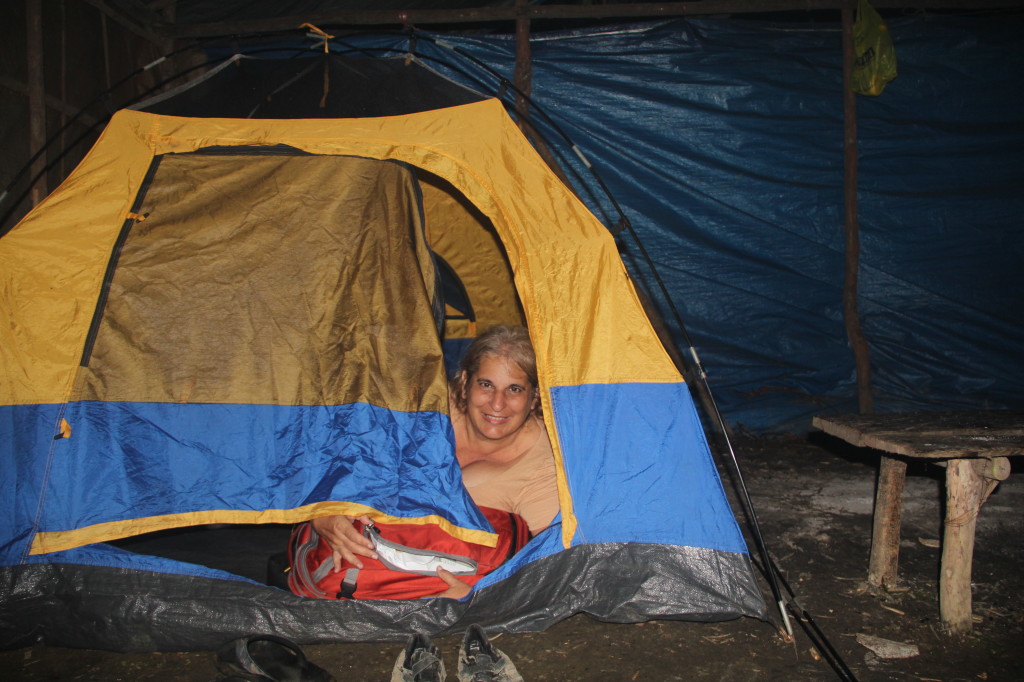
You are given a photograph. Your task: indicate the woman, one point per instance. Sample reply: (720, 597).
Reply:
(500, 442)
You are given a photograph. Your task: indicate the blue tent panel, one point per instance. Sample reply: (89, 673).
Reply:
(127, 461)
(640, 469)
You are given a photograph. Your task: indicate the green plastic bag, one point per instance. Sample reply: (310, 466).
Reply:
(874, 56)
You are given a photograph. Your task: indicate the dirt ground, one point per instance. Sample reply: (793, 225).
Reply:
(813, 497)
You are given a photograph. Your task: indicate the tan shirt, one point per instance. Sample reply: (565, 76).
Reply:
(525, 486)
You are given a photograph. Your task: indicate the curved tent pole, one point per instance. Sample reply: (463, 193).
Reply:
(504, 86)
(716, 416)
(771, 570)
(20, 174)
(81, 112)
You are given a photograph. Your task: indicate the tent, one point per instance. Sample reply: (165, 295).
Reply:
(238, 320)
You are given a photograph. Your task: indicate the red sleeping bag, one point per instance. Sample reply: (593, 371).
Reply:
(409, 557)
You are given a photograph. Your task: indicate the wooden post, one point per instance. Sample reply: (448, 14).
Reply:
(963, 498)
(861, 354)
(524, 66)
(105, 39)
(62, 170)
(36, 96)
(523, 78)
(968, 484)
(883, 565)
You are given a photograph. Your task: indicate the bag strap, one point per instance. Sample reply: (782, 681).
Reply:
(300, 552)
(348, 584)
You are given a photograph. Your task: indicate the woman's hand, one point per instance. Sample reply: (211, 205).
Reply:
(456, 588)
(347, 543)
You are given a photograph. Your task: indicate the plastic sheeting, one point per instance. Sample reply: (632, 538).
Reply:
(79, 604)
(722, 139)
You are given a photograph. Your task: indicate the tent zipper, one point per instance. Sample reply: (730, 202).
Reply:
(115, 255)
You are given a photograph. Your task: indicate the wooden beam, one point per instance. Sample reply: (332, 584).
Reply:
(649, 10)
(135, 18)
(931, 435)
(52, 102)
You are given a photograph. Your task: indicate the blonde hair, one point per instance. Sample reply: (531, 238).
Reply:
(511, 343)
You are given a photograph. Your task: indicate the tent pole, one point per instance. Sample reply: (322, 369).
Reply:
(693, 380)
(861, 353)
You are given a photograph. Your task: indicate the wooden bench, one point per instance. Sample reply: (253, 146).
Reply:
(973, 446)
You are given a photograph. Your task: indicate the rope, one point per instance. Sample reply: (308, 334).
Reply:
(965, 518)
(326, 37)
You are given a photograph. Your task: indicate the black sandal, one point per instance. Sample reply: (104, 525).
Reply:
(268, 658)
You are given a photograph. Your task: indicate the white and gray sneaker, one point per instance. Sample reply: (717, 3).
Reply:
(420, 661)
(481, 662)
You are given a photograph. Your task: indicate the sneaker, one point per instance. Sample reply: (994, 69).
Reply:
(419, 662)
(481, 662)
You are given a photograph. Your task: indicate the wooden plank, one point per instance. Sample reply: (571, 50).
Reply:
(999, 420)
(932, 435)
(839, 428)
(946, 431)
(953, 446)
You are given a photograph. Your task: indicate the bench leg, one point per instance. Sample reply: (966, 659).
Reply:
(964, 491)
(969, 482)
(885, 533)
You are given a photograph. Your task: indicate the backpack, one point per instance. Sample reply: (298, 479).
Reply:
(409, 555)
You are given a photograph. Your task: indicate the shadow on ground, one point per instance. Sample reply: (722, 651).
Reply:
(813, 498)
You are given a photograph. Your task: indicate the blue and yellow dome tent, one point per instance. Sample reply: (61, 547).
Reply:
(231, 320)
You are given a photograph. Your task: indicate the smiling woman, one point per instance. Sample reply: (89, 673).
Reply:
(500, 440)
(501, 443)
(500, 400)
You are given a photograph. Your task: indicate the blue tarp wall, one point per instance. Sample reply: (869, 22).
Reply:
(722, 140)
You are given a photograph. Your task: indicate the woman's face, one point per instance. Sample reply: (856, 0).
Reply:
(499, 398)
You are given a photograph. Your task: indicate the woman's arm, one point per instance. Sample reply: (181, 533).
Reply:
(347, 543)
(456, 588)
